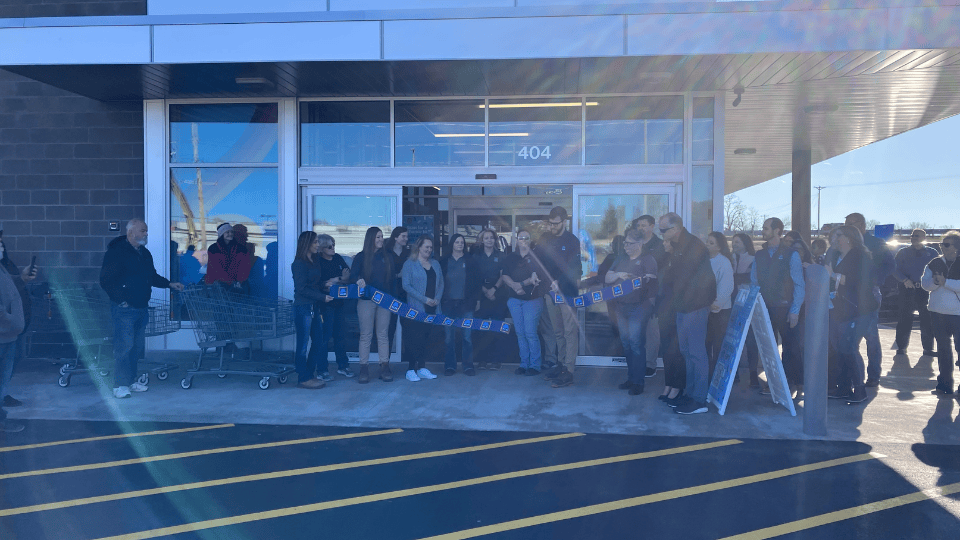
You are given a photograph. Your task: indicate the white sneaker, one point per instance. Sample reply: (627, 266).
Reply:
(121, 392)
(412, 376)
(138, 387)
(424, 373)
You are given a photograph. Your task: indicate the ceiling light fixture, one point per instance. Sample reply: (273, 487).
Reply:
(481, 134)
(742, 151)
(253, 80)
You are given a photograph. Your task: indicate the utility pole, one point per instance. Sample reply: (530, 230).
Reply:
(818, 188)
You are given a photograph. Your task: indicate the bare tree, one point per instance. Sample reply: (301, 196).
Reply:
(919, 225)
(734, 213)
(754, 220)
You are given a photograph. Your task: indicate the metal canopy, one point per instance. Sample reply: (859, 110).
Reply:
(829, 102)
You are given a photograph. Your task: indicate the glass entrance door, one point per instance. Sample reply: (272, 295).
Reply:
(346, 214)
(601, 213)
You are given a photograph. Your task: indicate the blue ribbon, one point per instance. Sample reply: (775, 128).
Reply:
(603, 295)
(404, 310)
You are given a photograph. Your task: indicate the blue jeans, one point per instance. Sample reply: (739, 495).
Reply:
(129, 326)
(848, 346)
(526, 318)
(692, 338)
(872, 335)
(633, 319)
(7, 355)
(309, 338)
(335, 326)
(450, 360)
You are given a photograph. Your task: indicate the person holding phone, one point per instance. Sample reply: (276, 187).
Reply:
(941, 278)
(20, 280)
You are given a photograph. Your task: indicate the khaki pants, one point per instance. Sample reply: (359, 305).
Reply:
(371, 315)
(566, 332)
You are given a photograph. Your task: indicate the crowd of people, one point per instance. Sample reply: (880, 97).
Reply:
(683, 289)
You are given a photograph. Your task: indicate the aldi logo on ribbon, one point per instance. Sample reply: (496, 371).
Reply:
(394, 306)
(578, 301)
(618, 290)
(412, 313)
(485, 325)
(447, 321)
(597, 296)
(467, 323)
(377, 298)
(342, 292)
(429, 319)
(558, 298)
(637, 283)
(505, 328)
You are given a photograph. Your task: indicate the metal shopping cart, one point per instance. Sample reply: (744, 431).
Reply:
(86, 316)
(221, 317)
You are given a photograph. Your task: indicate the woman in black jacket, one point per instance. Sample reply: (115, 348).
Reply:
(308, 299)
(852, 306)
(373, 267)
(461, 298)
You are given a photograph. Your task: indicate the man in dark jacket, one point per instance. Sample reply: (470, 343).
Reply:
(910, 263)
(778, 272)
(883, 265)
(127, 276)
(694, 287)
(559, 253)
(653, 246)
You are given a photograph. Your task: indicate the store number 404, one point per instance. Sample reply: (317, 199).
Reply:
(534, 152)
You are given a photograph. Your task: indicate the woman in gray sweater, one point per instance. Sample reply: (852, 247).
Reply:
(423, 283)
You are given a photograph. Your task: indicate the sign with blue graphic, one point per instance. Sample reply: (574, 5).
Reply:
(417, 226)
(749, 312)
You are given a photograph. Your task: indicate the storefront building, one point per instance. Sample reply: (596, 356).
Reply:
(336, 116)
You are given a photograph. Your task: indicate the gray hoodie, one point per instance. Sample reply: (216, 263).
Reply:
(11, 310)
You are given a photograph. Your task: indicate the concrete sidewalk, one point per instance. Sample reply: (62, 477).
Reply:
(902, 410)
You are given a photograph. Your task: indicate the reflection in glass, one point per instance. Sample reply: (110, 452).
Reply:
(530, 132)
(347, 217)
(224, 133)
(701, 218)
(345, 134)
(600, 219)
(703, 129)
(203, 198)
(439, 133)
(634, 130)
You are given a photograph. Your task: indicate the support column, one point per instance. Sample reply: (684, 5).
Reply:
(800, 215)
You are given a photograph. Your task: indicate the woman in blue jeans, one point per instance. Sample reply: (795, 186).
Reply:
(308, 298)
(461, 294)
(525, 278)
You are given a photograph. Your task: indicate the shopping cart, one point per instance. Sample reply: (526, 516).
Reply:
(221, 317)
(86, 316)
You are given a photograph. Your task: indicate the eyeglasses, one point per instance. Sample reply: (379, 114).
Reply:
(662, 230)
(555, 223)
(524, 238)
(945, 245)
(328, 247)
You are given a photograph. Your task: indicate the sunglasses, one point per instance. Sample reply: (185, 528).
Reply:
(662, 230)
(945, 245)
(524, 238)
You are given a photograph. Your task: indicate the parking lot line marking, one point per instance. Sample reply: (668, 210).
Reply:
(182, 455)
(340, 503)
(574, 513)
(110, 437)
(278, 474)
(848, 513)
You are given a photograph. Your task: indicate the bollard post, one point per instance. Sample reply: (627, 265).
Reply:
(816, 349)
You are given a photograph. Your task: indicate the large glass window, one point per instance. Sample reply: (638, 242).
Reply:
(530, 132)
(634, 130)
(703, 129)
(701, 219)
(224, 133)
(223, 169)
(345, 134)
(439, 133)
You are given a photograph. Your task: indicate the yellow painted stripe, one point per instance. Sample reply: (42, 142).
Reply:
(340, 503)
(278, 474)
(648, 499)
(182, 455)
(111, 437)
(849, 513)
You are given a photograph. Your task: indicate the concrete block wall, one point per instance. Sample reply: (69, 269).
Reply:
(68, 166)
(10, 9)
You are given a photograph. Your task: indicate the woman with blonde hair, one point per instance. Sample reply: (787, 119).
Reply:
(423, 283)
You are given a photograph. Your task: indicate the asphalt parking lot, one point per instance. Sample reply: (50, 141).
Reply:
(90, 480)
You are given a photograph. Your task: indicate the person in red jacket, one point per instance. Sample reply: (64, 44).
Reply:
(228, 262)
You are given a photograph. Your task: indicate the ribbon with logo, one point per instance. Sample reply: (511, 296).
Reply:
(404, 310)
(603, 295)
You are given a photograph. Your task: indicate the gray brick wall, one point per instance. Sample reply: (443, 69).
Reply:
(68, 166)
(10, 9)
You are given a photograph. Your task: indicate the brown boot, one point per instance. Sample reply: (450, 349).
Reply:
(364, 376)
(385, 374)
